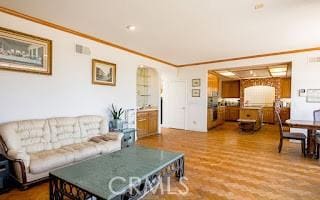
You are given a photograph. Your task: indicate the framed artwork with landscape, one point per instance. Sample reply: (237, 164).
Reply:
(195, 92)
(103, 73)
(25, 53)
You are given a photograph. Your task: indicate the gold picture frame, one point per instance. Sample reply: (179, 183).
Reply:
(103, 73)
(24, 52)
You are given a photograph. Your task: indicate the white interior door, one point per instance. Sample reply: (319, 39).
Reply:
(175, 104)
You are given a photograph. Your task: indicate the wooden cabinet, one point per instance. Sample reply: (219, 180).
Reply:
(285, 85)
(147, 123)
(230, 89)
(268, 115)
(213, 84)
(220, 117)
(232, 113)
(153, 122)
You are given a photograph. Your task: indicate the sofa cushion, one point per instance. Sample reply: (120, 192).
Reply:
(28, 135)
(109, 146)
(50, 159)
(91, 126)
(64, 131)
(83, 150)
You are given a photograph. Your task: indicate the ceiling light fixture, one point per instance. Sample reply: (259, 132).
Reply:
(278, 74)
(278, 69)
(131, 27)
(226, 73)
(258, 6)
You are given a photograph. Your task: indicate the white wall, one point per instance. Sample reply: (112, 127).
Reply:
(69, 92)
(305, 75)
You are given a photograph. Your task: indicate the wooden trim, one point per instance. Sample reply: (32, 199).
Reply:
(83, 35)
(253, 56)
(77, 33)
(253, 67)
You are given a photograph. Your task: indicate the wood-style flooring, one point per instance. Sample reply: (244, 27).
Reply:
(224, 164)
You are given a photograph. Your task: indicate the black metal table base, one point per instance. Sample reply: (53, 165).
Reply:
(63, 190)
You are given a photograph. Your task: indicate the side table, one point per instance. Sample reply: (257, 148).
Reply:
(4, 174)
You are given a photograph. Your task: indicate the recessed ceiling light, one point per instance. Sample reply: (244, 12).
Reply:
(278, 74)
(258, 6)
(226, 73)
(278, 69)
(131, 27)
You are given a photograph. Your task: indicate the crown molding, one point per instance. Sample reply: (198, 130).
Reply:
(77, 33)
(253, 56)
(83, 35)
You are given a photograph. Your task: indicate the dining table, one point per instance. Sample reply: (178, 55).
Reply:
(312, 127)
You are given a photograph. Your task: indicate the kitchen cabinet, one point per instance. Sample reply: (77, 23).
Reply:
(147, 123)
(230, 89)
(268, 115)
(213, 84)
(211, 123)
(232, 113)
(284, 114)
(285, 85)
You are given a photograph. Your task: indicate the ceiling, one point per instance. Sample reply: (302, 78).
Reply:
(280, 70)
(187, 31)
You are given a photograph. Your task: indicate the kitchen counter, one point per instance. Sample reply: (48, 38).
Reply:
(147, 109)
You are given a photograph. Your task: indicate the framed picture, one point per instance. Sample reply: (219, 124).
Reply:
(103, 73)
(195, 92)
(313, 96)
(195, 82)
(25, 53)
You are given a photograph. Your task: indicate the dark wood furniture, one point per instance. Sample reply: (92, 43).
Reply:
(4, 174)
(268, 115)
(312, 127)
(230, 89)
(291, 136)
(147, 123)
(316, 118)
(248, 125)
(284, 114)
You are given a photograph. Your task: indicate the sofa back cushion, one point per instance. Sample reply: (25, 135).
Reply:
(28, 135)
(64, 131)
(92, 125)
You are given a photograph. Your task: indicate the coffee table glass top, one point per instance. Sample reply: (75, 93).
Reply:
(94, 175)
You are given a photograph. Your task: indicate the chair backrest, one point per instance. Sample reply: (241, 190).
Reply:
(280, 123)
(316, 115)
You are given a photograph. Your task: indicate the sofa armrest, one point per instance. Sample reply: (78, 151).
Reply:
(17, 166)
(19, 155)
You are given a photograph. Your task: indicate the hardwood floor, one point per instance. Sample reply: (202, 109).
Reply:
(224, 164)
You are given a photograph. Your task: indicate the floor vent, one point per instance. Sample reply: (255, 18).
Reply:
(82, 49)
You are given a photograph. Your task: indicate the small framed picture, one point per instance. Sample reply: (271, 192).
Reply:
(103, 73)
(196, 82)
(195, 92)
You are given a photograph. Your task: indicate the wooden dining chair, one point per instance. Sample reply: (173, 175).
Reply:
(316, 118)
(291, 136)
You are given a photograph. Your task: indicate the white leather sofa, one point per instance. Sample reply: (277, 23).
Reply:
(36, 147)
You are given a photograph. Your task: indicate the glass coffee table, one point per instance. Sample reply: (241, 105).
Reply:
(127, 174)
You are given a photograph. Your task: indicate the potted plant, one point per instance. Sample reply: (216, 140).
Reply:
(116, 122)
